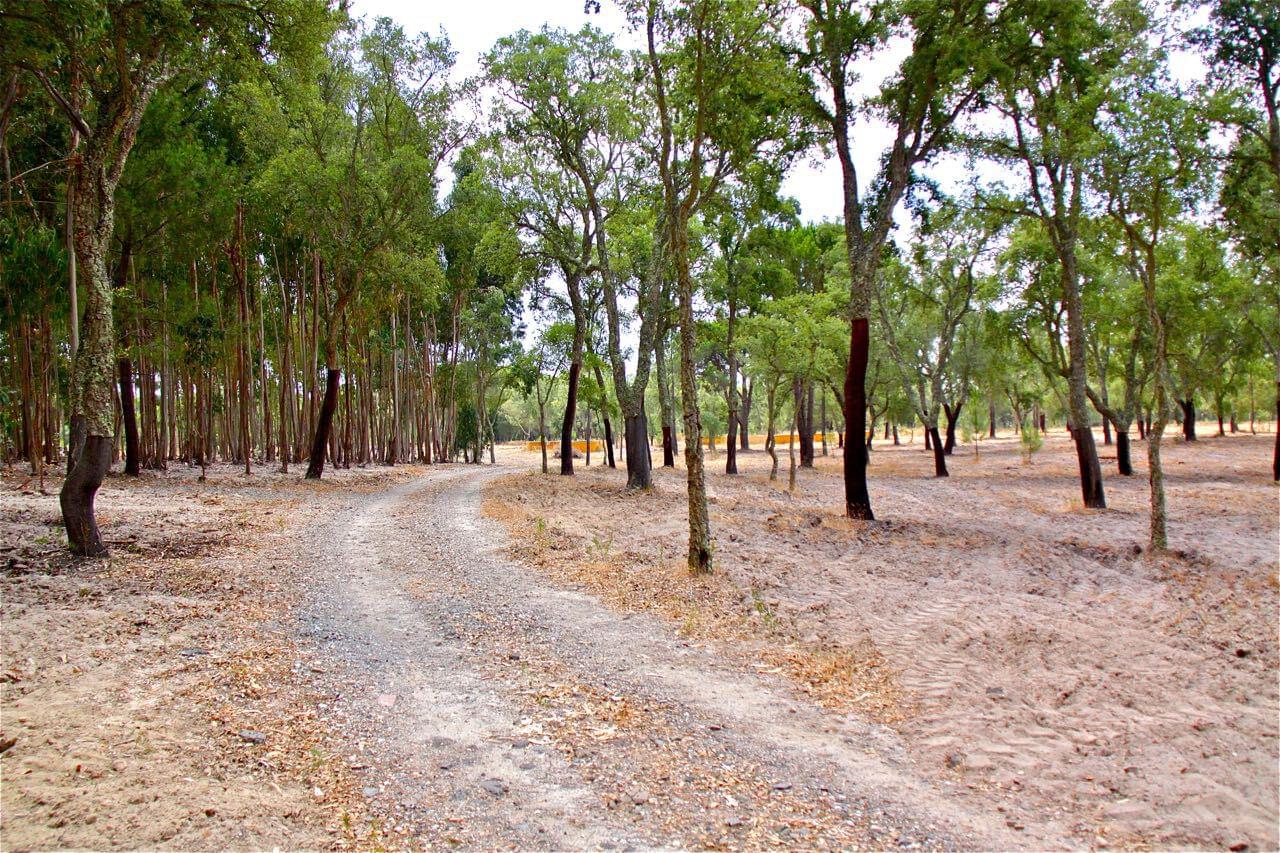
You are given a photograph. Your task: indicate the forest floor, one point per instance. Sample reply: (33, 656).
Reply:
(486, 657)
(1029, 657)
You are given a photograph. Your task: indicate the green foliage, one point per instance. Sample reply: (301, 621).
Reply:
(1031, 441)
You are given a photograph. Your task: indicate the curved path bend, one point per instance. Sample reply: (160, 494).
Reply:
(486, 707)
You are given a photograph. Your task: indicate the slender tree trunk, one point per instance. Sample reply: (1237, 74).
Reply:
(608, 426)
(991, 420)
(744, 418)
(791, 440)
(806, 425)
(699, 517)
(953, 416)
(1106, 430)
(731, 440)
(570, 413)
(131, 461)
(664, 401)
(771, 437)
(240, 271)
(939, 453)
(542, 432)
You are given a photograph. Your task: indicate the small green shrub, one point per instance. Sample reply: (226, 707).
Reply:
(1032, 441)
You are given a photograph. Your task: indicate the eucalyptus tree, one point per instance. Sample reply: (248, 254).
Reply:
(367, 130)
(101, 63)
(724, 97)
(954, 48)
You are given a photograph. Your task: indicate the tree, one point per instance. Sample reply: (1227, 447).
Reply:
(1243, 40)
(724, 97)
(101, 63)
(954, 45)
(1071, 54)
(923, 304)
(367, 131)
(566, 110)
(1151, 168)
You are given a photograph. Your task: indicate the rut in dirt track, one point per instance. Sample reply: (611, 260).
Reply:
(450, 665)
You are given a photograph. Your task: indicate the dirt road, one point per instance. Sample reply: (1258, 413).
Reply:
(483, 706)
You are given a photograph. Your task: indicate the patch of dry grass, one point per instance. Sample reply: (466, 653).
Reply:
(705, 608)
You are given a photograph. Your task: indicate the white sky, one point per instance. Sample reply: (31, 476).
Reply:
(474, 26)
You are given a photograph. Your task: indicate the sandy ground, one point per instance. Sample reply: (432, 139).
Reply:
(1039, 660)
(147, 701)
(489, 707)
(369, 662)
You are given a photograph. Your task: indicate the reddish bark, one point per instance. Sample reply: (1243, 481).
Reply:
(857, 501)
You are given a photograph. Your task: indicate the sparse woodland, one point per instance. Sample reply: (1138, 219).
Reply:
(276, 235)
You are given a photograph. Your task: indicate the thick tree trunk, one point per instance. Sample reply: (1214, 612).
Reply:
(324, 424)
(638, 462)
(1123, 461)
(1106, 430)
(857, 502)
(566, 426)
(1188, 418)
(129, 417)
(1086, 451)
(939, 453)
(78, 491)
